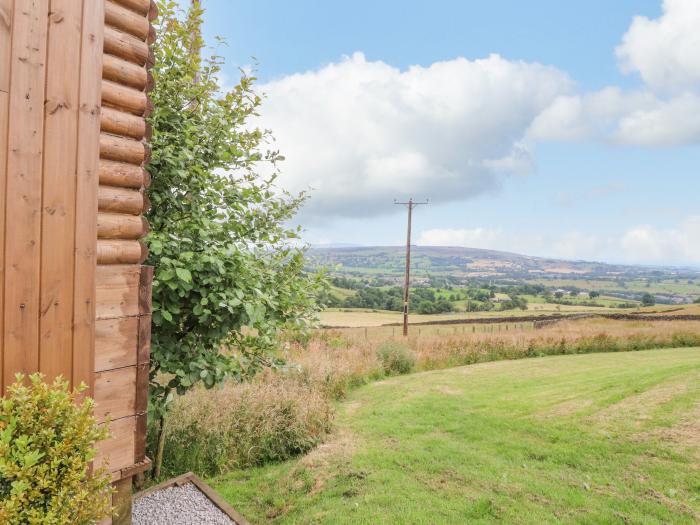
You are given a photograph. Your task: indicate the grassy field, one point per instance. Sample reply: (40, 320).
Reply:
(357, 317)
(600, 438)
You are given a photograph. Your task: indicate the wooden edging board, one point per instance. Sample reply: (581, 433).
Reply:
(205, 489)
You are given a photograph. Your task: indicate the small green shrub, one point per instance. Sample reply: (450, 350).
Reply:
(47, 441)
(396, 358)
(244, 425)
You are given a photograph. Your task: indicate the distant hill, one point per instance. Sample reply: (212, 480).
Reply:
(473, 263)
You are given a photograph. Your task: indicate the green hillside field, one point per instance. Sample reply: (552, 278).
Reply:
(600, 438)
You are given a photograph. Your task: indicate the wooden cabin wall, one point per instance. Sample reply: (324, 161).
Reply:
(75, 299)
(50, 63)
(123, 307)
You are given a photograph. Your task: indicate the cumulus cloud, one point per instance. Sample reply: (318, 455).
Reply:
(358, 133)
(640, 244)
(365, 130)
(665, 51)
(665, 112)
(648, 243)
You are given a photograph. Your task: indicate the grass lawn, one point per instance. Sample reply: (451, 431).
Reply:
(594, 439)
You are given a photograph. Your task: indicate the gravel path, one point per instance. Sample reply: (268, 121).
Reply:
(184, 505)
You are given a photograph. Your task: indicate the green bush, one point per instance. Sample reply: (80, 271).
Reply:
(244, 425)
(47, 442)
(396, 358)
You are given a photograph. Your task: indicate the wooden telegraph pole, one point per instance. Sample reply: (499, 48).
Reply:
(407, 274)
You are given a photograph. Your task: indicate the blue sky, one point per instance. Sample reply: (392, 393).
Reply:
(566, 129)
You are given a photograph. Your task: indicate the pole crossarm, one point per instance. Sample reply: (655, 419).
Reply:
(411, 204)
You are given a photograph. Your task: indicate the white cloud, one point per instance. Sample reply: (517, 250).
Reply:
(640, 244)
(361, 133)
(647, 243)
(665, 51)
(473, 238)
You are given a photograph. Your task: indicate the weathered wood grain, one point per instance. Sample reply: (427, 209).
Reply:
(127, 20)
(124, 98)
(127, 47)
(117, 343)
(121, 226)
(3, 180)
(122, 174)
(121, 123)
(140, 6)
(117, 452)
(120, 149)
(118, 252)
(6, 15)
(126, 73)
(117, 291)
(115, 393)
(23, 190)
(121, 200)
(59, 187)
(86, 195)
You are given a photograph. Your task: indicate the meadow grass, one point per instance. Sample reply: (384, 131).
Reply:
(599, 438)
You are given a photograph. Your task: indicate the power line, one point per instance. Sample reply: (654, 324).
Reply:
(407, 275)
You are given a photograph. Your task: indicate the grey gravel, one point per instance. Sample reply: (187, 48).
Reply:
(184, 505)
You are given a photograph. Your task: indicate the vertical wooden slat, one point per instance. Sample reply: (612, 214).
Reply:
(58, 200)
(3, 180)
(6, 9)
(23, 192)
(86, 194)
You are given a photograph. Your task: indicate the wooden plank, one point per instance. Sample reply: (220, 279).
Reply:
(121, 226)
(146, 290)
(120, 252)
(123, 175)
(59, 185)
(127, 20)
(23, 191)
(127, 73)
(124, 98)
(115, 393)
(127, 47)
(140, 6)
(3, 180)
(86, 194)
(121, 123)
(117, 343)
(117, 291)
(120, 149)
(121, 200)
(117, 452)
(6, 10)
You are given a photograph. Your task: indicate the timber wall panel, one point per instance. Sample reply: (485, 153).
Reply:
(118, 343)
(6, 11)
(23, 189)
(59, 187)
(3, 182)
(74, 298)
(86, 194)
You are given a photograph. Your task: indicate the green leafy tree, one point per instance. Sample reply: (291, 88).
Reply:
(648, 300)
(593, 294)
(229, 272)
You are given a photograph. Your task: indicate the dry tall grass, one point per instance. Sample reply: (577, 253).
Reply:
(289, 411)
(335, 363)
